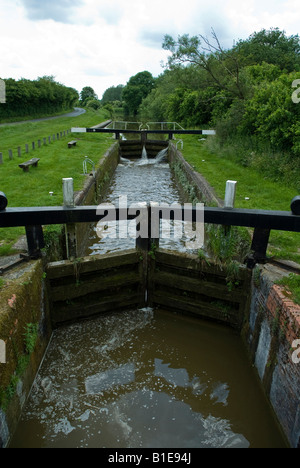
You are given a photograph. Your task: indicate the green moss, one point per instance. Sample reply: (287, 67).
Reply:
(20, 311)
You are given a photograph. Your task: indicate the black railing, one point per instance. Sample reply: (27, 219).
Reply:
(143, 132)
(33, 218)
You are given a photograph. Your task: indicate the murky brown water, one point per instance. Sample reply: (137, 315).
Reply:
(143, 379)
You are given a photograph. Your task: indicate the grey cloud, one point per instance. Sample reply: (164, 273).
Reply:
(57, 10)
(152, 39)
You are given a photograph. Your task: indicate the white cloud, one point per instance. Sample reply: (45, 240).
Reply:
(103, 43)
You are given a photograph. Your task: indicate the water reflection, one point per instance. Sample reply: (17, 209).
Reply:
(146, 378)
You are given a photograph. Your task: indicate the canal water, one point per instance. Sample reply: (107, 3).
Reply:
(146, 378)
(134, 182)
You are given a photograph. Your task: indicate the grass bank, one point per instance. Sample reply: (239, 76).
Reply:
(254, 190)
(57, 161)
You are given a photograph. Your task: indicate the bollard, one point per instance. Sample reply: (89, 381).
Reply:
(230, 194)
(33, 145)
(26, 148)
(10, 154)
(19, 152)
(1, 158)
(295, 205)
(3, 201)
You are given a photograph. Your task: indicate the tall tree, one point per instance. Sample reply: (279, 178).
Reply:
(86, 94)
(137, 88)
(222, 66)
(271, 46)
(114, 93)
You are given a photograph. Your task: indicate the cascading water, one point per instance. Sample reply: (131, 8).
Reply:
(144, 153)
(161, 156)
(138, 181)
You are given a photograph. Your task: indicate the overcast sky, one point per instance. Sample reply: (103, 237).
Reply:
(102, 43)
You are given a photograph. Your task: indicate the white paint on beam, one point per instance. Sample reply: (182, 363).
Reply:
(78, 130)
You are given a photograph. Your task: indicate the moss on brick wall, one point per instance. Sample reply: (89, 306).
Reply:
(25, 329)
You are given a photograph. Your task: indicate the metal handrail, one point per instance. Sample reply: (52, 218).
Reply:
(85, 164)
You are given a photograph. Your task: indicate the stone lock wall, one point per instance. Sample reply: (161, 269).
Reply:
(273, 326)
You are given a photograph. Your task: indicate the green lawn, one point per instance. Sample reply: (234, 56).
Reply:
(57, 161)
(253, 191)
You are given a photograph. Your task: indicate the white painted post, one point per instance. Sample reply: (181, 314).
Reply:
(230, 194)
(68, 192)
(2, 352)
(70, 229)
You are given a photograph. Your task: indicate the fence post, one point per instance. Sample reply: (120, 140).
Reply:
(19, 152)
(1, 158)
(10, 154)
(70, 229)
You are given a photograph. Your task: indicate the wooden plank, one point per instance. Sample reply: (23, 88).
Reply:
(204, 288)
(191, 262)
(64, 313)
(89, 286)
(92, 263)
(202, 309)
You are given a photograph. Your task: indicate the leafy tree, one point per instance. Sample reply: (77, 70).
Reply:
(43, 96)
(272, 115)
(86, 94)
(273, 47)
(93, 104)
(114, 93)
(137, 89)
(222, 66)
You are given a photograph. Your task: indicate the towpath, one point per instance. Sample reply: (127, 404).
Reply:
(77, 111)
